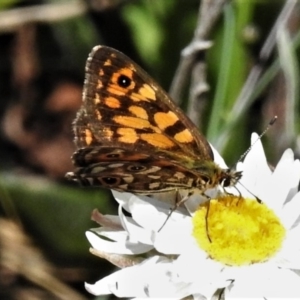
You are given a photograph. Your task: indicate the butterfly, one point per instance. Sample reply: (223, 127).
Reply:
(132, 137)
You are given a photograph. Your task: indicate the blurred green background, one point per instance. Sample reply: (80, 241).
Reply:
(43, 49)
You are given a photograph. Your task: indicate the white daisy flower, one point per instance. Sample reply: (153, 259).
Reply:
(242, 246)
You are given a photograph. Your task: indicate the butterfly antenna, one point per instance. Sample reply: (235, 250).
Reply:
(274, 119)
(257, 199)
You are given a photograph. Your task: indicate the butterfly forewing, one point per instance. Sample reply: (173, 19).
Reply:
(124, 107)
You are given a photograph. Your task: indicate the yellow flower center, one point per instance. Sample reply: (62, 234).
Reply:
(237, 231)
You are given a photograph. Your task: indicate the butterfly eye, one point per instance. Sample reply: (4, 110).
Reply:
(124, 81)
(226, 182)
(136, 168)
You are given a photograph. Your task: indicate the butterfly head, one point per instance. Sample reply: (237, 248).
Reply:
(229, 177)
(211, 175)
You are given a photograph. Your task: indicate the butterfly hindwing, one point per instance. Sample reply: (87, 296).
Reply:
(122, 170)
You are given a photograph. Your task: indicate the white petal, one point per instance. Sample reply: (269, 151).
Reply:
(115, 235)
(175, 236)
(116, 247)
(291, 212)
(292, 238)
(256, 172)
(114, 284)
(136, 234)
(123, 198)
(282, 181)
(292, 260)
(161, 287)
(268, 283)
(152, 214)
(152, 278)
(218, 159)
(194, 264)
(289, 254)
(149, 214)
(294, 179)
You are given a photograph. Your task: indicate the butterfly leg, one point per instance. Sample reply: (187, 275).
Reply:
(206, 221)
(208, 198)
(178, 202)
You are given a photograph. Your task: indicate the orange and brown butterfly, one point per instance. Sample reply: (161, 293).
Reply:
(132, 137)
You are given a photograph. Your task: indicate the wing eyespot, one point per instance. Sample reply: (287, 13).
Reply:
(136, 168)
(113, 155)
(124, 81)
(111, 181)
